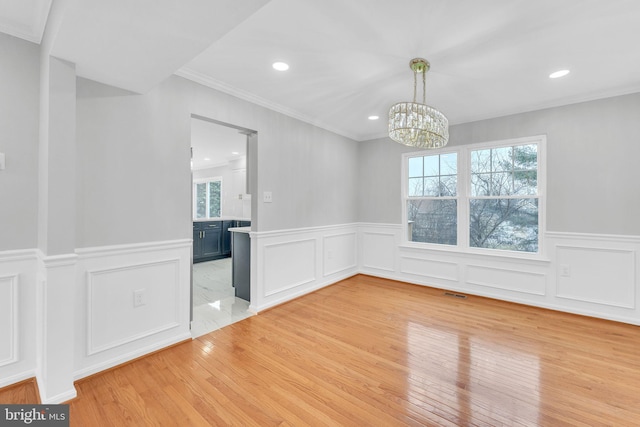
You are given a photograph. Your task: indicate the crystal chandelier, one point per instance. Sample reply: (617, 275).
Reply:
(418, 125)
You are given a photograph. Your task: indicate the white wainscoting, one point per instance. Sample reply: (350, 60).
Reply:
(379, 248)
(290, 263)
(597, 275)
(8, 320)
(594, 275)
(159, 285)
(278, 278)
(507, 279)
(111, 329)
(17, 315)
(340, 253)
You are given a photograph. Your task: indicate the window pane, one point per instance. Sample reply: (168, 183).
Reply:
(501, 184)
(449, 164)
(214, 199)
(481, 161)
(501, 159)
(432, 186)
(431, 166)
(525, 157)
(415, 166)
(507, 224)
(525, 182)
(433, 221)
(415, 187)
(448, 185)
(481, 184)
(201, 200)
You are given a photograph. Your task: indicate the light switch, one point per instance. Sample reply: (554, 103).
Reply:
(1, 161)
(267, 197)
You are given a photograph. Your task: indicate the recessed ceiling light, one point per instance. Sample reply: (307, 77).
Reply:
(557, 74)
(206, 159)
(373, 117)
(235, 153)
(280, 66)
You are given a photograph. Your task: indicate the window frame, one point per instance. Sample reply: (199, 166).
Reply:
(195, 198)
(464, 197)
(406, 198)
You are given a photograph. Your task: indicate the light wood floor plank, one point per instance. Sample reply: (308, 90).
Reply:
(375, 352)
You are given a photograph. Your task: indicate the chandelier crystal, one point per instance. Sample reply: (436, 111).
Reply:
(418, 125)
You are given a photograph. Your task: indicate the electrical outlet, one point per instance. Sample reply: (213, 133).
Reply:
(565, 271)
(139, 298)
(267, 197)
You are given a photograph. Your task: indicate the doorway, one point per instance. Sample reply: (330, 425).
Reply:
(221, 204)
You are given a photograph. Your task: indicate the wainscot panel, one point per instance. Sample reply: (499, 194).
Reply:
(379, 248)
(156, 285)
(289, 263)
(17, 315)
(340, 253)
(133, 299)
(8, 320)
(597, 275)
(527, 282)
(429, 268)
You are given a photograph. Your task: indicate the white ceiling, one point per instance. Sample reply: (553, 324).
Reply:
(214, 145)
(25, 19)
(349, 59)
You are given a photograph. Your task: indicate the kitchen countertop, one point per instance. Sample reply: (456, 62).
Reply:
(224, 218)
(240, 229)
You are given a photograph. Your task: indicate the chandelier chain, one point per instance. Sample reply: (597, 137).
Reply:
(424, 87)
(415, 84)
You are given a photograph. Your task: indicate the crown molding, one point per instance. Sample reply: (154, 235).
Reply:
(205, 80)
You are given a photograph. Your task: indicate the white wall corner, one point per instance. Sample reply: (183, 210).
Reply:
(56, 298)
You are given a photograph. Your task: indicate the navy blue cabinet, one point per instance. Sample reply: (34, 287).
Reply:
(212, 239)
(241, 265)
(207, 241)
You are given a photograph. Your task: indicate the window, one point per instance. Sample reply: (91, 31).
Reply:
(484, 196)
(206, 198)
(432, 198)
(503, 204)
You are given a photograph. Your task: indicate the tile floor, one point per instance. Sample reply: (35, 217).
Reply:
(214, 303)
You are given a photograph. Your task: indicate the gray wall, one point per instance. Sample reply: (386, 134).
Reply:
(592, 165)
(19, 115)
(134, 179)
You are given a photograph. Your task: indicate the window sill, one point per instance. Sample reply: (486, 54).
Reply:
(492, 254)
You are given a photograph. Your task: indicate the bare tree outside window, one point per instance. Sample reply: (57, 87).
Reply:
(500, 197)
(432, 205)
(504, 203)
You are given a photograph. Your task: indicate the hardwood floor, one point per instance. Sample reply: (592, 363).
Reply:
(374, 352)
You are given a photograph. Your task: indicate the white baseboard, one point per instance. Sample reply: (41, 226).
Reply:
(22, 376)
(126, 357)
(587, 274)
